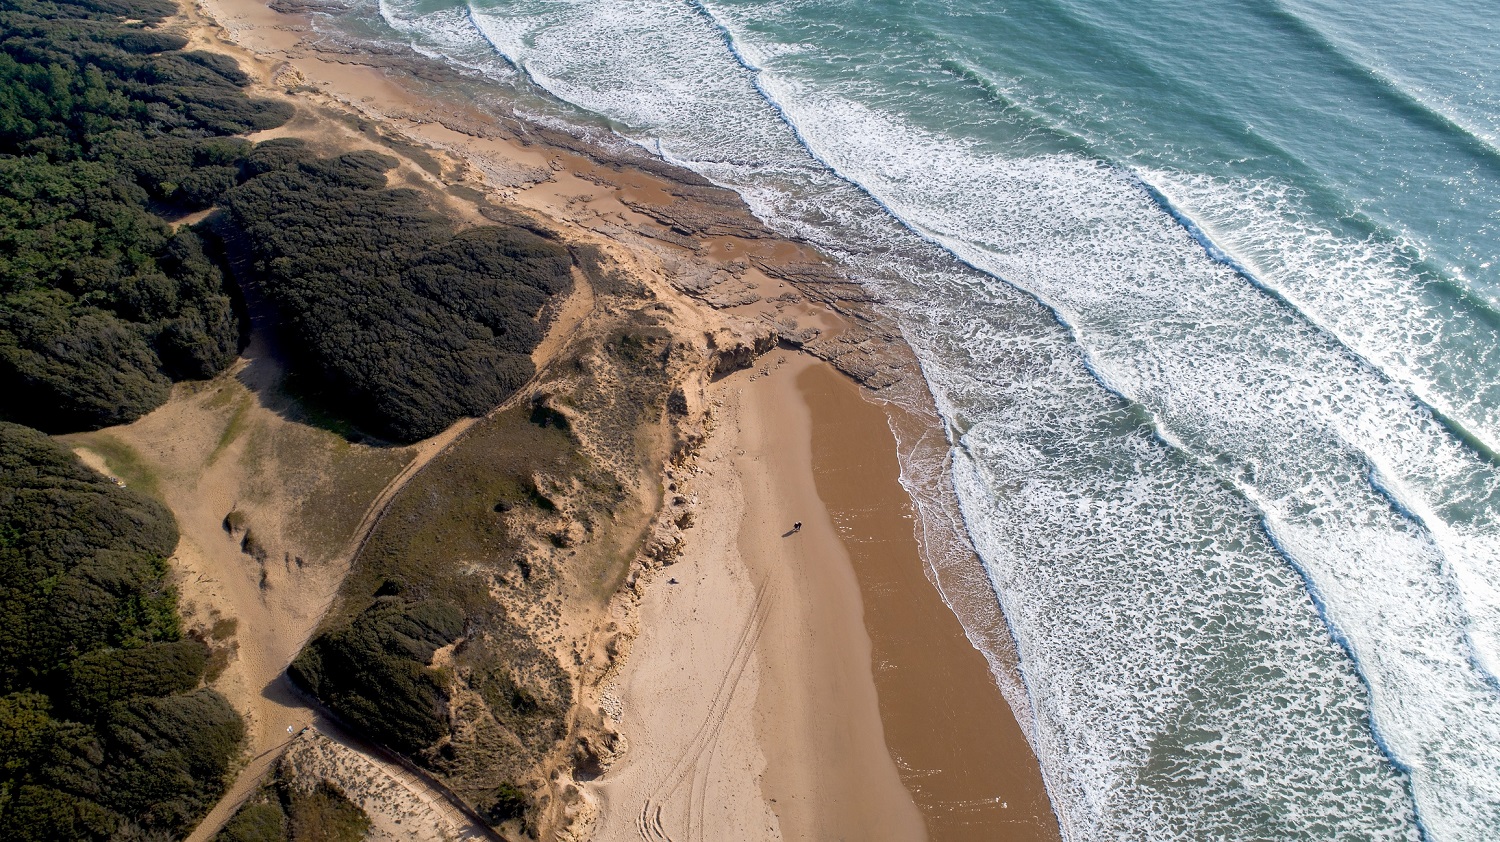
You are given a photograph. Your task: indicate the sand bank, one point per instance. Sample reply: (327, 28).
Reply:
(748, 698)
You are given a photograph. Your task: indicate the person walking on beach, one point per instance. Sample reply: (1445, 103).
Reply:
(797, 527)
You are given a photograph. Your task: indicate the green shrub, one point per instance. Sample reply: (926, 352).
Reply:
(373, 672)
(509, 802)
(81, 561)
(400, 318)
(285, 812)
(102, 306)
(168, 756)
(100, 678)
(325, 815)
(101, 729)
(259, 822)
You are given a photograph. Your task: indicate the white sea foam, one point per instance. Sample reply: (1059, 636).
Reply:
(447, 35)
(1369, 294)
(1183, 684)
(1276, 406)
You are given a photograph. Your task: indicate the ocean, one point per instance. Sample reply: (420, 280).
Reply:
(1208, 297)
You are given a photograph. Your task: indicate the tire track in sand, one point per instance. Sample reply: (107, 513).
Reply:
(693, 764)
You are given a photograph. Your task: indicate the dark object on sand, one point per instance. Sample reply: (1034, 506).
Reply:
(797, 527)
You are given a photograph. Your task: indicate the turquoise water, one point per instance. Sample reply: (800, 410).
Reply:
(1208, 294)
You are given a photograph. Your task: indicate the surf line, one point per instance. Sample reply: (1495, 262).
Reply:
(1218, 255)
(1471, 440)
(957, 252)
(1407, 100)
(1373, 475)
(1094, 370)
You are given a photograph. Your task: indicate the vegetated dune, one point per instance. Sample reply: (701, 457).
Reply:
(113, 131)
(494, 566)
(462, 631)
(403, 320)
(102, 304)
(107, 727)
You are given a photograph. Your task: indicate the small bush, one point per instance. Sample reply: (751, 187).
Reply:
(325, 815)
(259, 822)
(508, 803)
(374, 671)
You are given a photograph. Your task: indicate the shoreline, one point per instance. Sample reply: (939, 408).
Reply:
(827, 675)
(796, 691)
(957, 741)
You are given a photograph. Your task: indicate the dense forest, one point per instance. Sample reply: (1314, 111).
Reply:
(406, 321)
(373, 672)
(102, 304)
(110, 134)
(103, 727)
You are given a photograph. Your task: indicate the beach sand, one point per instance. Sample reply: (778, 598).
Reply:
(956, 741)
(810, 685)
(805, 686)
(748, 699)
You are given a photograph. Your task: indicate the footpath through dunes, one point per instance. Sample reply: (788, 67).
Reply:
(273, 504)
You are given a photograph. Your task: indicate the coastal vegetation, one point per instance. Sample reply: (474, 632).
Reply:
(108, 128)
(111, 132)
(104, 126)
(424, 581)
(402, 319)
(104, 727)
(138, 231)
(444, 643)
(373, 672)
(285, 811)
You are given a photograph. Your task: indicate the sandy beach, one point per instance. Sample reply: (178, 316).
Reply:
(810, 685)
(794, 685)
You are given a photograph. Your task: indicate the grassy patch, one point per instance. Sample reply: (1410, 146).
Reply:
(353, 476)
(452, 514)
(224, 392)
(123, 461)
(224, 628)
(234, 428)
(316, 407)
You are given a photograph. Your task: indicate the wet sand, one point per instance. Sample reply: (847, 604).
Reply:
(955, 740)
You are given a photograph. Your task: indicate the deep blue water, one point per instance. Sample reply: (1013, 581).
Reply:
(1209, 296)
